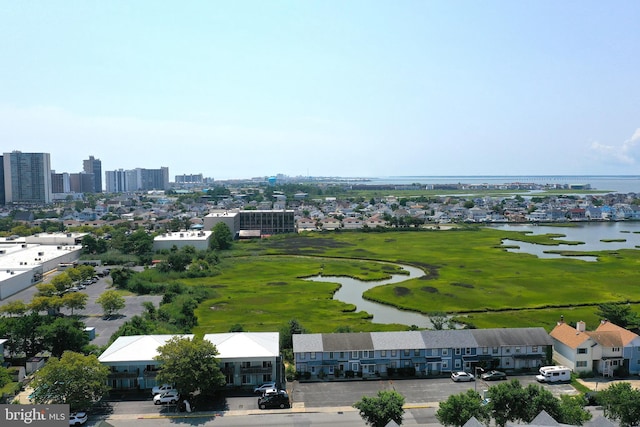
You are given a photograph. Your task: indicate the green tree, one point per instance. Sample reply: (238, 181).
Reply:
(111, 302)
(378, 411)
(73, 379)
(23, 335)
(507, 402)
(459, 408)
(287, 332)
(190, 364)
(619, 314)
(121, 276)
(5, 376)
(63, 334)
(438, 319)
(139, 243)
(222, 238)
(572, 410)
(14, 308)
(621, 402)
(75, 301)
(61, 282)
(177, 261)
(89, 244)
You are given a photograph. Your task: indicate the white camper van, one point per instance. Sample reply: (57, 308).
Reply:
(552, 374)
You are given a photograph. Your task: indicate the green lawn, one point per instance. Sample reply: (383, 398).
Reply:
(467, 273)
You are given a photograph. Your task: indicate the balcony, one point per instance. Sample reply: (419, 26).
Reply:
(256, 370)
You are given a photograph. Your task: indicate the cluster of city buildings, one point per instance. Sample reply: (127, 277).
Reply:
(27, 178)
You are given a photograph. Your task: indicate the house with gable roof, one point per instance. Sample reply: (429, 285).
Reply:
(603, 351)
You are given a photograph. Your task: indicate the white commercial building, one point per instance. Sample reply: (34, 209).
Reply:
(199, 239)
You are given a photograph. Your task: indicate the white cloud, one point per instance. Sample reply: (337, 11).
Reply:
(627, 153)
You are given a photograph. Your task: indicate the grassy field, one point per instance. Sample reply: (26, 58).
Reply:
(468, 274)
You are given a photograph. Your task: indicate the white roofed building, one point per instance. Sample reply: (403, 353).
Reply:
(246, 359)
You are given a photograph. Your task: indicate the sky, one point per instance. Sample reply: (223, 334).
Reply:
(240, 89)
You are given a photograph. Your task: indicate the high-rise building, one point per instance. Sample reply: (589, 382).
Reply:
(94, 166)
(2, 198)
(27, 177)
(116, 181)
(60, 182)
(137, 180)
(82, 182)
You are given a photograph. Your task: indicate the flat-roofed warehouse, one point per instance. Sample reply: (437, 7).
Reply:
(23, 264)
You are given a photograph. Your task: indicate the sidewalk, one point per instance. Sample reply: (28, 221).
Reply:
(601, 383)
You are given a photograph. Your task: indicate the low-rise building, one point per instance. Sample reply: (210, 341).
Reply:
(246, 358)
(422, 352)
(199, 239)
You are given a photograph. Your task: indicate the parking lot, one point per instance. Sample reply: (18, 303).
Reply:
(92, 314)
(415, 391)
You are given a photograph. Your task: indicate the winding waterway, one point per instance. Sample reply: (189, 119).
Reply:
(351, 293)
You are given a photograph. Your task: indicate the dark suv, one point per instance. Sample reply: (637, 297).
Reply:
(279, 400)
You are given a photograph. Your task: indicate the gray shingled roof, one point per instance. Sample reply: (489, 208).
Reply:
(511, 336)
(397, 340)
(306, 343)
(347, 342)
(449, 338)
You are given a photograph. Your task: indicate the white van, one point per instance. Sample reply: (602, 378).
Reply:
(553, 374)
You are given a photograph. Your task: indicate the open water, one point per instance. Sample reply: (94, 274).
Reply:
(605, 183)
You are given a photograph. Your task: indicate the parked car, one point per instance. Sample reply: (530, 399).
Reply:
(270, 392)
(462, 376)
(278, 400)
(263, 387)
(494, 375)
(170, 397)
(77, 418)
(159, 389)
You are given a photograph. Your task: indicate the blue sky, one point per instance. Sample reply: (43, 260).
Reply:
(238, 89)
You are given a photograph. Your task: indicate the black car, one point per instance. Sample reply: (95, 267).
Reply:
(279, 400)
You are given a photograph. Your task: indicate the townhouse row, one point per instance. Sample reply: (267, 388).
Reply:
(428, 352)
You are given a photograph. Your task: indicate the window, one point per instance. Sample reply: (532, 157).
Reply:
(416, 352)
(312, 355)
(266, 364)
(507, 350)
(383, 353)
(331, 355)
(406, 363)
(534, 349)
(445, 364)
(246, 379)
(582, 351)
(302, 356)
(467, 350)
(485, 350)
(494, 350)
(458, 352)
(445, 351)
(457, 363)
(517, 349)
(245, 365)
(354, 366)
(394, 353)
(313, 370)
(354, 355)
(615, 349)
(581, 364)
(342, 355)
